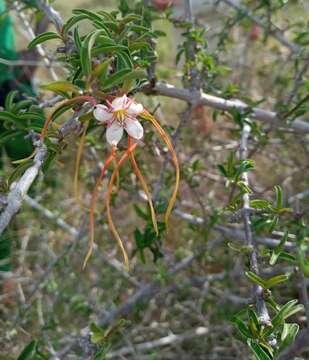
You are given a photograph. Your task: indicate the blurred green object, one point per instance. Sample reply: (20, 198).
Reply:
(7, 43)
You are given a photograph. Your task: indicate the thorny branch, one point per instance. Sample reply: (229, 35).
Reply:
(199, 98)
(167, 340)
(32, 35)
(254, 267)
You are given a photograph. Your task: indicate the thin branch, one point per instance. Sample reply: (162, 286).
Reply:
(26, 63)
(114, 263)
(199, 98)
(270, 28)
(51, 14)
(298, 81)
(170, 339)
(32, 35)
(146, 292)
(17, 194)
(257, 289)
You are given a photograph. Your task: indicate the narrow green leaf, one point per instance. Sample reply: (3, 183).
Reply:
(139, 45)
(27, 351)
(101, 70)
(77, 40)
(85, 51)
(287, 310)
(115, 79)
(258, 351)
(72, 21)
(23, 104)
(256, 279)
(42, 38)
(275, 280)
(288, 335)
(252, 316)
(259, 204)
(279, 197)
(241, 327)
(60, 87)
(9, 100)
(278, 249)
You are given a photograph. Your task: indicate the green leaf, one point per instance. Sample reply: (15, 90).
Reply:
(115, 79)
(256, 279)
(284, 256)
(100, 70)
(124, 60)
(287, 310)
(254, 322)
(288, 335)
(241, 249)
(27, 351)
(31, 116)
(97, 335)
(244, 187)
(107, 15)
(278, 249)
(279, 197)
(9, 100)
(303, 263)
(23, 104)
(259, 204)
(258, 350)
(266, 284)
(139, 212)
(11, 118)
(98, 19)
(140, 45)
(72, 21)
(77, 40)
(61, 87)
(85, 51)
(42, 38)
(275, 280)
(131, 17)
(241, 327)
(108, 49)
(222, 170)
(88, 14)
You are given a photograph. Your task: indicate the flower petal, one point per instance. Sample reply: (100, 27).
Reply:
(134, 108)
(114, 133)
(102, 114)
(134, 129)
(119, 102)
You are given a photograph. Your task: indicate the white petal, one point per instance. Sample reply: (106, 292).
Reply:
(119, 102)
(134, 108)
(114, 133)
(134, 129)
(102, 114)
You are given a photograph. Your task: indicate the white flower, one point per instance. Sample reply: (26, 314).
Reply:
(120, 114)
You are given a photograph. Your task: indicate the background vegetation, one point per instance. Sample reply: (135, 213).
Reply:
(229, 278)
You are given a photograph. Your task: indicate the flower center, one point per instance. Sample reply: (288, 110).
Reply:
(120, 115)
